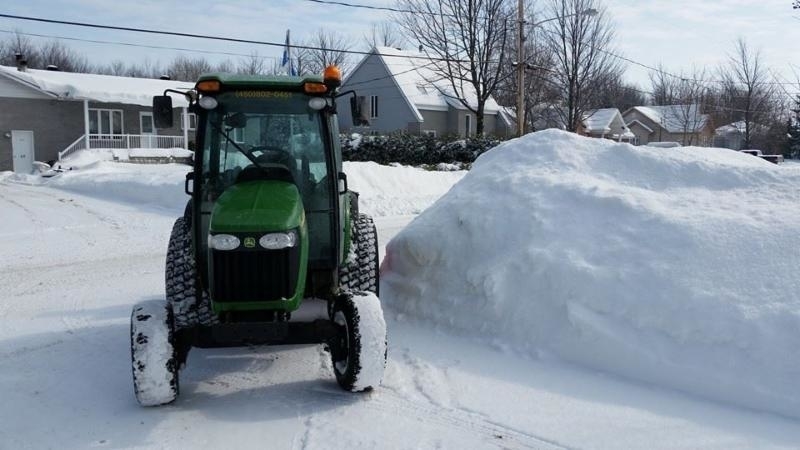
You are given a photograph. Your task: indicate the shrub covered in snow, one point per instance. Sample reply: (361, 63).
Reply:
(414, 150)
(672, 267)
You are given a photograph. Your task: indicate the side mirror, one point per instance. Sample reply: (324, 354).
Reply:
(162, 111)
(342, 183)
(189, 177)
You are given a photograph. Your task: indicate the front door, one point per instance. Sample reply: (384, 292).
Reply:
(148, 130)
(22, 150)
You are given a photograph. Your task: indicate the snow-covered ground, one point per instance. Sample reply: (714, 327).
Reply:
(78, 252)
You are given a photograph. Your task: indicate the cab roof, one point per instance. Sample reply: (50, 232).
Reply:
(229, 80)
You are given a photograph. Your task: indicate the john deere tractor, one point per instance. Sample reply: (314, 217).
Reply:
(271, 225)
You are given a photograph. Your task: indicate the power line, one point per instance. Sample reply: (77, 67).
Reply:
(306, 47)
(210, 37)
(356, 5)
(130, 44)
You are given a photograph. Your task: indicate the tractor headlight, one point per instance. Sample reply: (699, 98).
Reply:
(277, 241)
(207, 102)
(223, 242)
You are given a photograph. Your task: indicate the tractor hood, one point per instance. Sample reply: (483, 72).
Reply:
(256, 206)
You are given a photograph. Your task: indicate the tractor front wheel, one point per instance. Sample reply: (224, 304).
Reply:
(153, 356)
(359, 352)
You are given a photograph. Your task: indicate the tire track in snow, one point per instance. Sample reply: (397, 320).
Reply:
(492, 432)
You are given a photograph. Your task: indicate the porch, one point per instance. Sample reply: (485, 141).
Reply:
(123, 141)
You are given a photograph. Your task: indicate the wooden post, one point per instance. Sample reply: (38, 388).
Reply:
(86, 123)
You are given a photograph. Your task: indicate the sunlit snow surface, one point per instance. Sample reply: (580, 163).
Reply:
(675, 266)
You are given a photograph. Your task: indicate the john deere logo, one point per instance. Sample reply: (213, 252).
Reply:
(249, 242)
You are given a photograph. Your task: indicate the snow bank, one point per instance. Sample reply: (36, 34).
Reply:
(671, 266)
(153, 185)
(384, 190)
(397, 190)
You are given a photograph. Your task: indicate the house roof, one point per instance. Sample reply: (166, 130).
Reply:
(99, 88)
(735, 127)
(420, 85)
(637, 122)
(600, 120)
(674, 118)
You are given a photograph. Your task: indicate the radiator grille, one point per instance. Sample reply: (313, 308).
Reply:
(255, 275)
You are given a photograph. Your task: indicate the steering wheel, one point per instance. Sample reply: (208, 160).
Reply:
(269, 153)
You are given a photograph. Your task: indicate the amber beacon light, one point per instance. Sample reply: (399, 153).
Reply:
(332, 76)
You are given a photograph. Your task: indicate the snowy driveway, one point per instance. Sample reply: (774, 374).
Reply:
(72, 266)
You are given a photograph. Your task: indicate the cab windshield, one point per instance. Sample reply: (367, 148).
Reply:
(274, 135)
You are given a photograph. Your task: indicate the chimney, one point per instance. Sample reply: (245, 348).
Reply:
(52, 67)
(22, 63)
(164, 77)
(420, 48)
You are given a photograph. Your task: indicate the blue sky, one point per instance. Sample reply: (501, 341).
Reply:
(678, 33)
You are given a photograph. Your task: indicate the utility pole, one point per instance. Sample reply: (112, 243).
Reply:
(521, 68)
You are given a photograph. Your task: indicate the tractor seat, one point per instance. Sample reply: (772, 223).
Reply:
(276, 172)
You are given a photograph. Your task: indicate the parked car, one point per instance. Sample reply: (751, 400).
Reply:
(665, 144)
(775, 159)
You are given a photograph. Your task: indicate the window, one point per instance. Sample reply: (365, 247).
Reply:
(467, 125)
(238, 135)
(105, 121)
(146, 123)
(373, 106)
(192, 121)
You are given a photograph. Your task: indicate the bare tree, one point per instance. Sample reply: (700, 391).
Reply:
(540, 89)
(146, 69)
(581, 44)
(690, 94)
(748, 89)
(18, 43)
(663, 87)
(383, 35)
(330, 47)
(188, 69)
(252, 65)
(64, 58)
(465, 42)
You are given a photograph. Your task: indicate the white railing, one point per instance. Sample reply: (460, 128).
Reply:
(79, 144)
(134, 141)
(123, 141)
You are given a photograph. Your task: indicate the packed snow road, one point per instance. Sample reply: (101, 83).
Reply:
(73, 265)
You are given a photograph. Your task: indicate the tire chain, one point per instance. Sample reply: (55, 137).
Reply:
(362, 273)
(188, 308)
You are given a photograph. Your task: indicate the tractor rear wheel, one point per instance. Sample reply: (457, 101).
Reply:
(359, 353)
(360, 273)
(153, 356)
(190, 307)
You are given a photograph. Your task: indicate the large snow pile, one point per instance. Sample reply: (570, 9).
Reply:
(672, 266)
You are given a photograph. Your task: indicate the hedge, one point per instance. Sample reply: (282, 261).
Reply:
(414, 150)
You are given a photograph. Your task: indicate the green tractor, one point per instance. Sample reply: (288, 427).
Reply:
(271, 225)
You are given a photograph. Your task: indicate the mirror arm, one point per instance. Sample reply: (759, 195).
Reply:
(191, 96)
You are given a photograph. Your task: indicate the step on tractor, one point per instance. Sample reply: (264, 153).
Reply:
(271, 225)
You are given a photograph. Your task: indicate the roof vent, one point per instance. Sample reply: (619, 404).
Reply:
(420, 48)
(164, 77)
(52, 67)
(22, 63)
